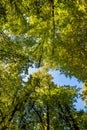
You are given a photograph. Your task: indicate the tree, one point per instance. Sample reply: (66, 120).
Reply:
(84, 93)
(58, 34)
(40, 105)
(46, 34)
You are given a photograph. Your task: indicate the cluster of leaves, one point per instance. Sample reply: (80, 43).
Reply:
(50, 34)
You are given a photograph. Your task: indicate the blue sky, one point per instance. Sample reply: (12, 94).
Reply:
(60, 79)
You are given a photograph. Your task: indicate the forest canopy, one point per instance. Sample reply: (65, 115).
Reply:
(48, 35)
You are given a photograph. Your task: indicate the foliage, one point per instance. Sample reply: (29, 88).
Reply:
(47, 34)
(29, 105)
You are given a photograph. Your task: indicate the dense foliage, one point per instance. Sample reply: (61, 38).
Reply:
(48, 35)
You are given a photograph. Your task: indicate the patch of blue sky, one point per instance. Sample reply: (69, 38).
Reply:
(61, 79)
